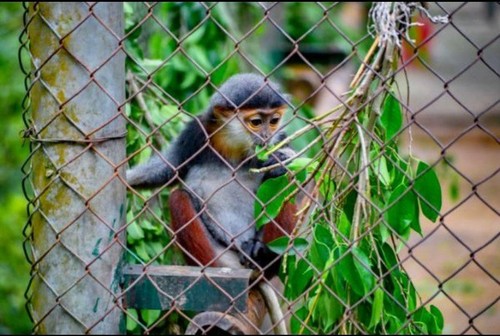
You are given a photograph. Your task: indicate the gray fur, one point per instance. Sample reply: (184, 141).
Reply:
(158, 170)
(249, 90)
(227, 199)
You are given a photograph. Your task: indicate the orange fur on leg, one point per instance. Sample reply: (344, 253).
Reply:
(189, 230)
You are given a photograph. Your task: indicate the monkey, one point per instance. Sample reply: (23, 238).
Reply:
(212, 211)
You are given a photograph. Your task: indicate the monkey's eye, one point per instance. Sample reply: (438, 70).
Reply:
(274, 121)
(256, 122)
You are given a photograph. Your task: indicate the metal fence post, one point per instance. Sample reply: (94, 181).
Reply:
(77, 95)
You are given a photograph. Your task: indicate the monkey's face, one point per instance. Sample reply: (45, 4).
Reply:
(241, 130)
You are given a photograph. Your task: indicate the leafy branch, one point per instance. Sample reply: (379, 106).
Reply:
(347, 277)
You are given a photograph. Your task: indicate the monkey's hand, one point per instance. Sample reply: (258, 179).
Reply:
(277, 157)
(258, 256)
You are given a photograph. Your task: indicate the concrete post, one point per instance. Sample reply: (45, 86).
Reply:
(78, 86)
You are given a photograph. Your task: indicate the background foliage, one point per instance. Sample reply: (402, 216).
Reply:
(14, 270)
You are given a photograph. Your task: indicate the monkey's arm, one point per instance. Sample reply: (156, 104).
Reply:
(176, 159)
(282, 225)
(157, 171)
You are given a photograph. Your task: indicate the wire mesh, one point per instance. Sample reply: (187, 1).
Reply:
(444, 119)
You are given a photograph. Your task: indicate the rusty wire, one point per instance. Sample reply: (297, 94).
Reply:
(139, 85)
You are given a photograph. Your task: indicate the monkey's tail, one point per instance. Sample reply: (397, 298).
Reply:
(273, 306)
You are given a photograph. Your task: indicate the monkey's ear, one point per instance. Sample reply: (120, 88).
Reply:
(223, 111)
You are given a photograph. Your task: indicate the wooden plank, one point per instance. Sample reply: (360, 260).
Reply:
(189, 288)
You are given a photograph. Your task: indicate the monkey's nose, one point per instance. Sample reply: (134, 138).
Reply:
(260, 141)
(265, 138)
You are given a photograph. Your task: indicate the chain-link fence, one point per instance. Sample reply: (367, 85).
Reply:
(349, 186)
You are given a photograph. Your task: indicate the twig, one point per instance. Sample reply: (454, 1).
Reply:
(362, 187)
(147, 115)
(367, 58)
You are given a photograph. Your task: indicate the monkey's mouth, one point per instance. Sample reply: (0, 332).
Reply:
(260, 141)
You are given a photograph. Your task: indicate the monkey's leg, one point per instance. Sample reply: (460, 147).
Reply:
(256, 248)
(190, 231)
(193, 237)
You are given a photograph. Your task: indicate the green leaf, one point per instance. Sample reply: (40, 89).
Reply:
(289, 265)
(327, 186)
(271, 194)
(154, 248)
(423, 321)
(128, 9)
(262, 154)
(321, 246)
(141, 251)
(299, 245)
(146, 225)
(389, 257)
(131, 315)
(195, 36)
(348, 270)
(134, 50)
(391, 118)
(299, 279)
(399, 169)
(200, 56)
(415, 224)
(429, 191)
(384, 232)
(438, 318)
(318, 255)
(403, 209)
(323, 235)
(280, 244)
(189, 79)
(339, 282)
(395, 325)
(328, 310)
(301, 176)
(381, 171)
(297, 321)
(134, 231)
(377, 307)
(428, 322)
(150, 315)
(151, 65)
(156, 115)
(411, 295)
(349, 204)
(363, 265)
(302, 163)
(344, 225)
(169, 111)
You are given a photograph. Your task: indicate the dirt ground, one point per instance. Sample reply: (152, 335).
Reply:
(461, 250)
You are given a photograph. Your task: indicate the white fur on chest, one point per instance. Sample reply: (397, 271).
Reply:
(227, 199)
